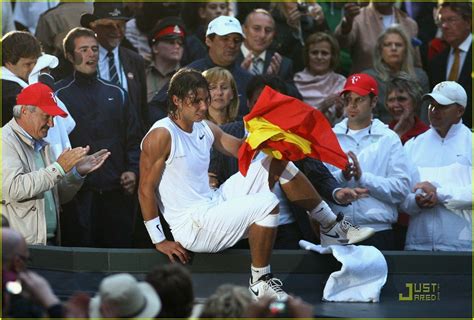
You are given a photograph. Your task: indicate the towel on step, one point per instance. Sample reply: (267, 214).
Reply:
(362, 276)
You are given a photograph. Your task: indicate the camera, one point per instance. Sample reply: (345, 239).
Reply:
(279, 308)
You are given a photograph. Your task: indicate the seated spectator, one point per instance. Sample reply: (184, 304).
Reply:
(454, 63)
(229, 301)
(224, 104)
(174, 286)
(440, 205)
(318, 83)
(360, 28)
(34, 183)
(255, 54)
(403, 102)
(122, 296)
(224, 37)
(25, 294)
(333, 13)
(20, 51)
(378, 163)
(294, 23)
(166, 41)
(393, 53)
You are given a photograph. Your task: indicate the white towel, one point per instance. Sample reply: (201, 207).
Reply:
(362, 276)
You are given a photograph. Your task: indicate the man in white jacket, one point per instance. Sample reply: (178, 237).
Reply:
(378, 163)
(440, 204)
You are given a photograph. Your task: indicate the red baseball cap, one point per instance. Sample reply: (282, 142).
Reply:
(41, 96)
(362, 84)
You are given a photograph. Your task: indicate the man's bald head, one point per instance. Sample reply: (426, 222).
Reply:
(13, 245)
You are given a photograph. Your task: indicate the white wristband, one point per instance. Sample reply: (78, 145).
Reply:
(155, 230)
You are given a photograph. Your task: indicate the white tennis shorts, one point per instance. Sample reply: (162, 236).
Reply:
(236, 205)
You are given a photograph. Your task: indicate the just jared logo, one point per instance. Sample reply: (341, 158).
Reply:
(422, 291)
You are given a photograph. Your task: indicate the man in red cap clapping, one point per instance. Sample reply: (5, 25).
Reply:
(378, 162)
(32, 179)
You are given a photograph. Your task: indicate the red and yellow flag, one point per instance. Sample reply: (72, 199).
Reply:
(288, 129)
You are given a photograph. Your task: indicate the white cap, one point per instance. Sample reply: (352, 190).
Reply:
(224, 25)
(448, 92)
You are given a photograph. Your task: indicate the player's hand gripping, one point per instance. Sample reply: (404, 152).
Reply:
(173, 250)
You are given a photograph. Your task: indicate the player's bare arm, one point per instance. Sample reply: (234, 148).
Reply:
(156, 149)
(225, 143)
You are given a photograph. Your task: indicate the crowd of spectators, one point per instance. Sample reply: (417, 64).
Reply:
(394, 80)
(114, 62)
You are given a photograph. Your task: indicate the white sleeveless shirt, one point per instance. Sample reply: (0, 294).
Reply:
(184, 185)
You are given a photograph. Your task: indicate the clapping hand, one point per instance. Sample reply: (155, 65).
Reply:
(352, 169)
(70, 157)
(247, 62)
(92, 162)
(275, 64)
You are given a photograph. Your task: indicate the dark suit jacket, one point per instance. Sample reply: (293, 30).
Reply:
(134, 68)
(286, 71)
(437, 73)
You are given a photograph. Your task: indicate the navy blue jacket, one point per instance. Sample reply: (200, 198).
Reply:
(104, 119)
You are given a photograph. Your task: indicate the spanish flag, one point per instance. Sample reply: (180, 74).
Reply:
(286, 128)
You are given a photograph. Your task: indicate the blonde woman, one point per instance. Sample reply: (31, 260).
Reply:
(393, 54)
(224, 96)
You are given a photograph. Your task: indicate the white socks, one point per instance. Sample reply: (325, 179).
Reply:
(323, 214)
(258, 272)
